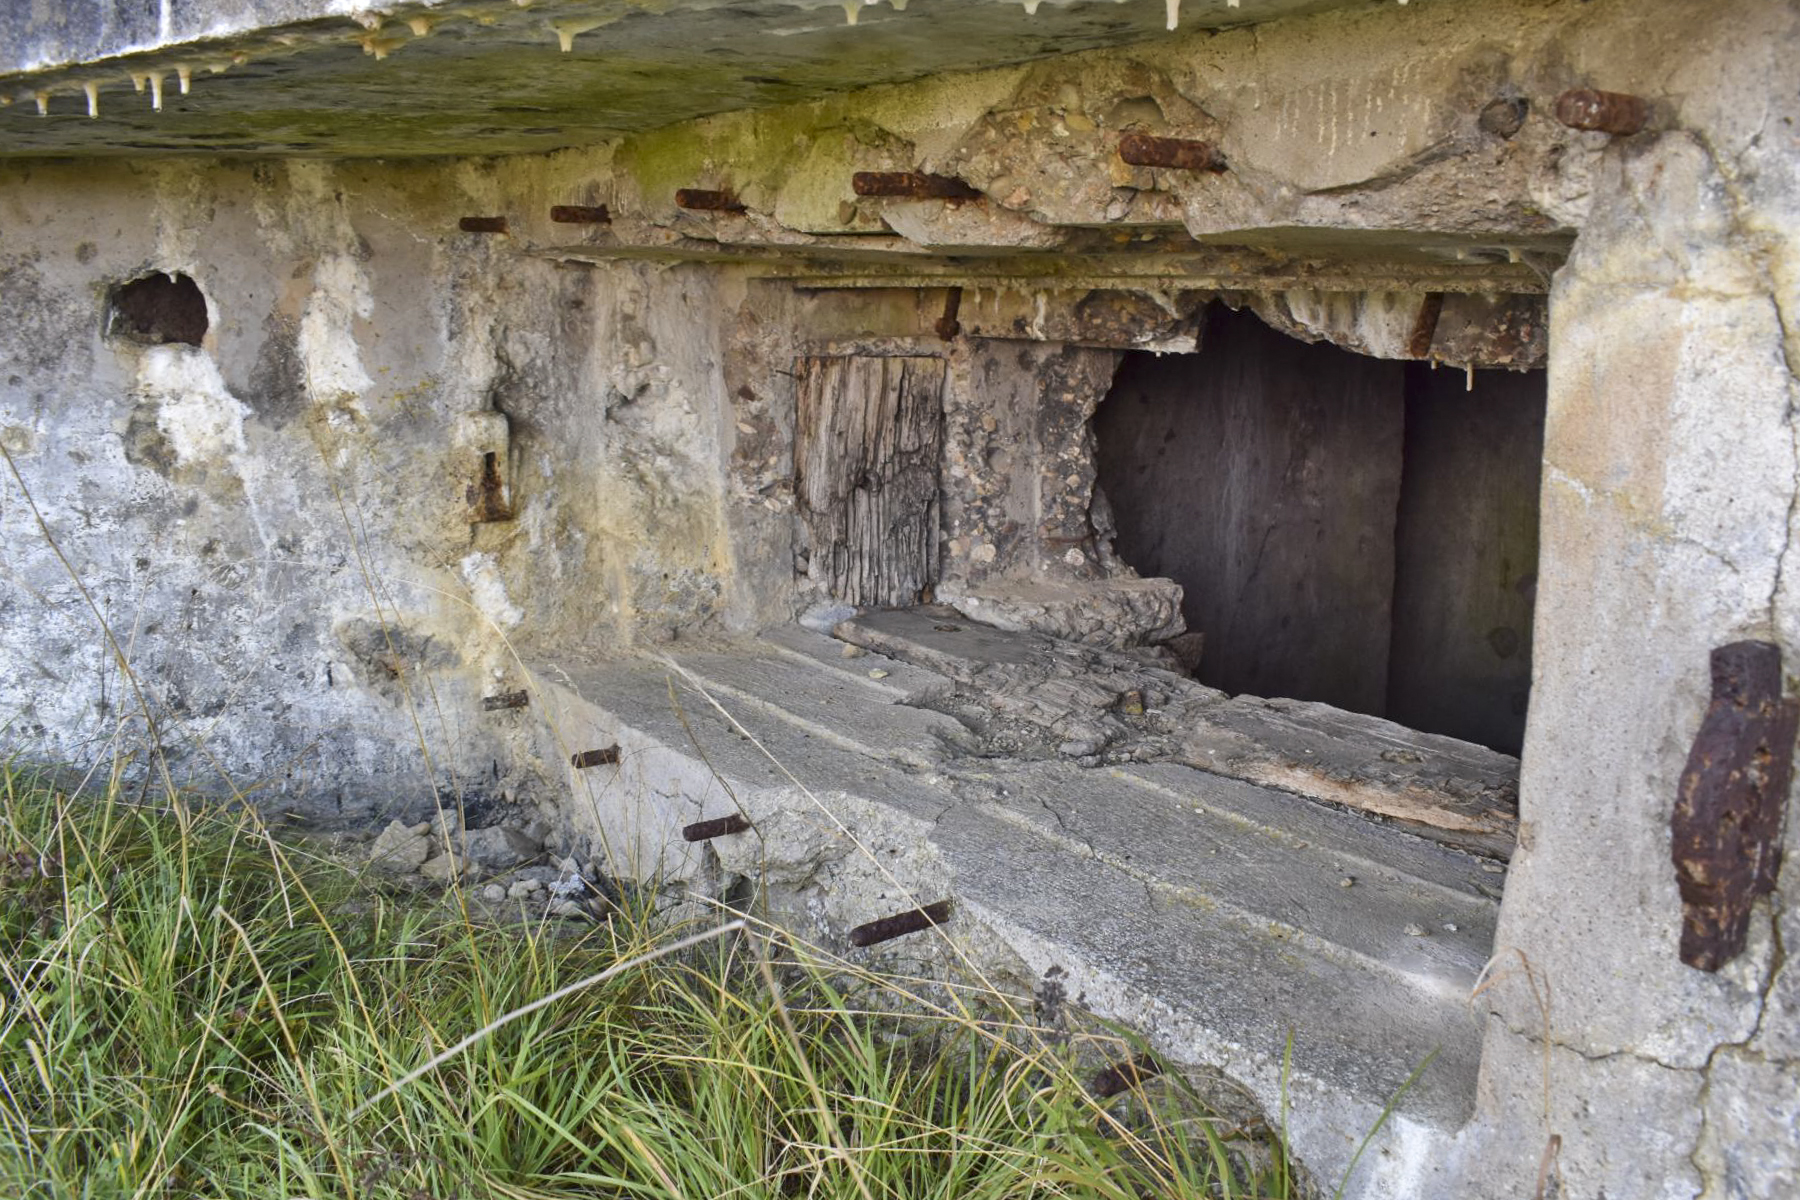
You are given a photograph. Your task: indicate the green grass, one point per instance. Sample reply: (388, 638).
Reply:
(191, 1008)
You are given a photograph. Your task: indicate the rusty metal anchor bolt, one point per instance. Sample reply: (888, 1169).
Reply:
(705, 831)
(580, 214)
(699, 200)
(911, 185)
(594, 758)
(1181, 154)
(900, 924)
(482, 224)
(504, 701)
(1602, 112)
(1128, 1074)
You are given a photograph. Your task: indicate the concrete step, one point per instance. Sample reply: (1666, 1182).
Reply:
(1209, 912)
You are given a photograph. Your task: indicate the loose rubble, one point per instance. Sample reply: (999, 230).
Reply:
(504, 859)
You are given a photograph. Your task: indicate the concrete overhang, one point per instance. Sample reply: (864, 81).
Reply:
(341, 78)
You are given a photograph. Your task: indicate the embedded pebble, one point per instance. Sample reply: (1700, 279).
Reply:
(523, 889)
(878, 673)
(1347, 881)
(566, 908)
(1494, 868)
(853, 652)
(1416, 930)
(1450, 926)
(493, 892)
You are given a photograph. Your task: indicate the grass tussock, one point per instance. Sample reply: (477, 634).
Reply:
(191, 1008)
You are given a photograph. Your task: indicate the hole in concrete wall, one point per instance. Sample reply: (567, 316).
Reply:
(156, 309)
(1346, 529)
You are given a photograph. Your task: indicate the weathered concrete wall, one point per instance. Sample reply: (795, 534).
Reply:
(1668, 514)
(277, 525)
(1465, 555)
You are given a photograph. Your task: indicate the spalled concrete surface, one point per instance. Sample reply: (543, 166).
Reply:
(278, 526)
(1029, 695)
(1220, 917)
(494, 76)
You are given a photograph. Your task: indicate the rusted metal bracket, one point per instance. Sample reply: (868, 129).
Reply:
(1182, 154)
(913, 185)
(504, 701)
(888, 928)
(482, 224)
(594, 758)
(1726, 829)
(1605, 112)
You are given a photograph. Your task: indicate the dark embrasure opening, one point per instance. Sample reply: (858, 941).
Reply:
(1346, 529)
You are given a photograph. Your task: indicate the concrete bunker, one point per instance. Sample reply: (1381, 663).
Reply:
(605, 412)
(1345, 529)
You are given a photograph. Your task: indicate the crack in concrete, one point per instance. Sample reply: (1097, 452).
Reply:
(1756, 247)
(1593, 1056)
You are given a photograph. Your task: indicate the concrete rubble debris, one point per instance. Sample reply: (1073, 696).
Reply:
(499, 847)
(400, 848)
(1015, 689)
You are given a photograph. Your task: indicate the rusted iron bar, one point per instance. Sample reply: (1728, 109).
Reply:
(580, 214)
(947, 326)
(487, 495)
(701, 200)
(1183, 154)
(913, 185)
(1603, 112)
(900, 924)
(705, 831)
(1424, 330)
(504, 701)
(1129, 1074)
(594, 758)
(1726, 827)
(482, 224)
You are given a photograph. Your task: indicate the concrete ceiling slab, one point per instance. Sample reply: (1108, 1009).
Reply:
(338, 78)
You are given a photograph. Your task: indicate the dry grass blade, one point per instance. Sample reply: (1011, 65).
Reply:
(599, 977)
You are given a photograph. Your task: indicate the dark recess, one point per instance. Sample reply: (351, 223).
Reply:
(1345, 529)
(156, 309)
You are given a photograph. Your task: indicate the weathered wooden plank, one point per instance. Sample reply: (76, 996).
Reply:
(870, 440)
(1450, 791)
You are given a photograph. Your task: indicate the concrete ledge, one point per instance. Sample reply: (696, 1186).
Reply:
(1217, 916)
